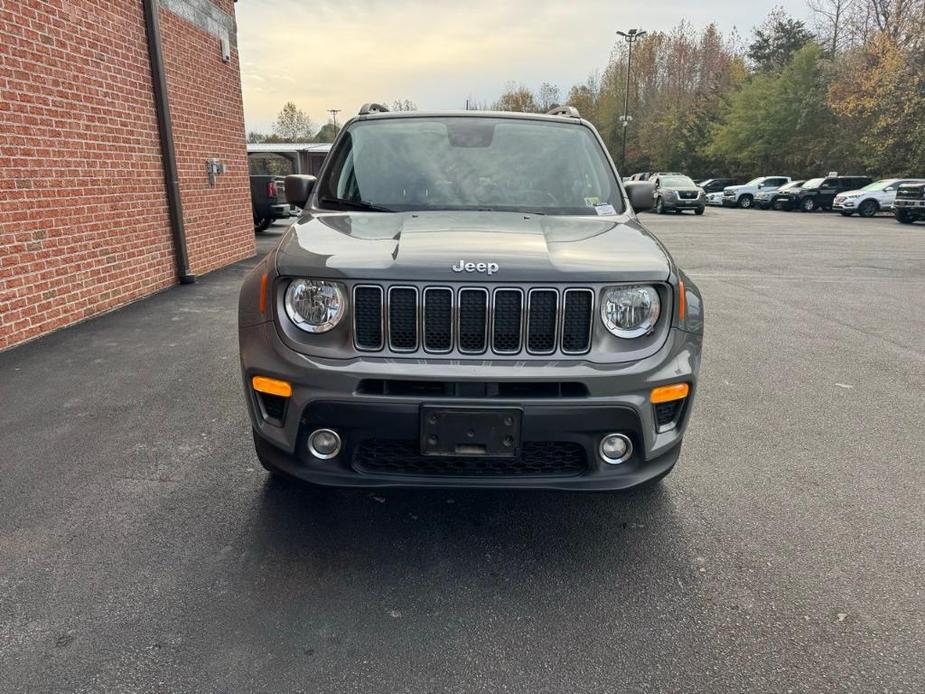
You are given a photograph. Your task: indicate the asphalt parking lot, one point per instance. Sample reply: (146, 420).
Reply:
(142, 547)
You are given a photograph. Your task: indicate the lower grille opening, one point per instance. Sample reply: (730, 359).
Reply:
(537, 458)
(274, 406)
(666, 414)
(468, 389)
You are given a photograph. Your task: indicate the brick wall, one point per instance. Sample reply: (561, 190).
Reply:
(83, 212)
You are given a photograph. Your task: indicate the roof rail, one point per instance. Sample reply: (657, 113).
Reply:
(373, 108)
(567, 111)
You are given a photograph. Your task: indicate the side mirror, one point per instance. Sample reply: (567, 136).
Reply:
(642, 195)
(298, 188)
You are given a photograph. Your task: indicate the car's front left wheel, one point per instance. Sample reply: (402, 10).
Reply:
(868, 208)
(808, 205)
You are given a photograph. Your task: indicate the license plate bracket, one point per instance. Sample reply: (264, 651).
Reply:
(490, 432)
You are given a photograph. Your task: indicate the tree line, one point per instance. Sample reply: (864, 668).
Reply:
(844, 92)
(292, 124)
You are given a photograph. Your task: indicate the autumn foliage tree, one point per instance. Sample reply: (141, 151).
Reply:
(850, 98)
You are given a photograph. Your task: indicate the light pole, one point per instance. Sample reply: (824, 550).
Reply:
(630, 37)
(334, 112)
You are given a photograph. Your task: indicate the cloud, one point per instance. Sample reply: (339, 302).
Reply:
(327, 54)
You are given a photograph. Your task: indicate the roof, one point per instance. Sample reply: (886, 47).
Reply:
(468, 114)
(255, 147)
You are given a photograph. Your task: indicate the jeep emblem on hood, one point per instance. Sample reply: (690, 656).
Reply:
(490, 268)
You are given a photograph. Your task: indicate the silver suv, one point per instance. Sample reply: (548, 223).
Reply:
(469, 300)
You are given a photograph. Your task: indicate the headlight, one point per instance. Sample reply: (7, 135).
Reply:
(315, 306)
(630, 311)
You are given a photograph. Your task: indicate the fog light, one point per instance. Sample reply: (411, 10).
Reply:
(324, 444)
(615, 449)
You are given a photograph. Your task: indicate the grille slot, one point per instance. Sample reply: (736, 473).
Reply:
(536, 458)
(506, 330)
(438, 319)
(367, 317)
(403, 319)
(473, 320)
(666, 414)
(576, 321)
(542, 306)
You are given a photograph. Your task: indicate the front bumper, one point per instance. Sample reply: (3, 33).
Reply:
(332, 394)
(675, 204)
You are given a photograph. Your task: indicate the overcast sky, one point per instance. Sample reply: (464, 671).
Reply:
(325, 54)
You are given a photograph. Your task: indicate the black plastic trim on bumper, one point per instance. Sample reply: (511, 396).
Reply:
(356, 422)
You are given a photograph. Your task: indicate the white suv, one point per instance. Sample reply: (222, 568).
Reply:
(743, 196)
(870, 199)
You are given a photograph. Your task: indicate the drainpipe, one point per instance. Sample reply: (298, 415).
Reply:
(165, 131)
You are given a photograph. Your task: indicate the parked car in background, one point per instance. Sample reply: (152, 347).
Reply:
(870, 199)
(677, 192)
(716, 185)
(641, 176)
(909, 205)
(819, 193)
(764, 199)
(715, 199)
(268, 200)
(744, 195)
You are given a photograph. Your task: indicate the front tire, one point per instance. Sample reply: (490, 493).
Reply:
(868, 208)
(745, 201)
(847, 214)
(262, 224)
(659, 206)
(808, 205)
(698, 211)
(903, 217)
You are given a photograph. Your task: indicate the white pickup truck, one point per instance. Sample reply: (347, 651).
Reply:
(744, 195)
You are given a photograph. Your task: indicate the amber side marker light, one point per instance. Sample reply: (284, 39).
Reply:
(263, 293)
(271, 386)
(681, 300)
(677, 391)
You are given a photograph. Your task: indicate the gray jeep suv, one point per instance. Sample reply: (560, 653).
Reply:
(469, 300)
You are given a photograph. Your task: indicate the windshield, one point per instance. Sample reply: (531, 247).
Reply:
(471, 163)
(880, 185)
(677, 182)
(791, 185)
(755, 181)
(813, 183)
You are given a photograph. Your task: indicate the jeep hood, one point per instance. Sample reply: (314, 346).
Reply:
(415, 246)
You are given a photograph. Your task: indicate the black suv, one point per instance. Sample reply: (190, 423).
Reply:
(716, 185)
(909, 205)
(819, 193)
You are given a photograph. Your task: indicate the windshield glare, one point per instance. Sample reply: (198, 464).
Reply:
(755, 181)
(677, 182)
(471, 163)
(879, 185)
(813, 183)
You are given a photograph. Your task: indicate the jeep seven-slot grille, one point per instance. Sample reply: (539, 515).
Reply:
(473, 320)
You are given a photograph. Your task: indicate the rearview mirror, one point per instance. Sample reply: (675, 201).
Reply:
(642, 195)
(298, 188)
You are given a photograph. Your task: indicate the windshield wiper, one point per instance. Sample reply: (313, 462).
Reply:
(355, 204)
